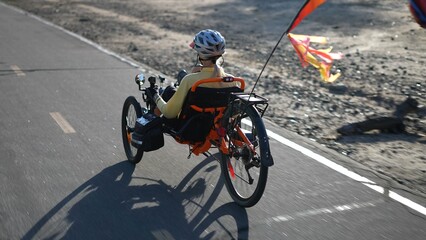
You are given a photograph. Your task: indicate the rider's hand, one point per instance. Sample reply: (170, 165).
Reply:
(152, 93)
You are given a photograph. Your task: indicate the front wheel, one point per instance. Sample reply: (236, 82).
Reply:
(245, 175)
(131, 112)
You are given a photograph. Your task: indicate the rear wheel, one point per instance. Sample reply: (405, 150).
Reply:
(245, 176)
(131, 112)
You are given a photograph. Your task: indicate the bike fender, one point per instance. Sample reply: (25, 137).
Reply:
(267, 159)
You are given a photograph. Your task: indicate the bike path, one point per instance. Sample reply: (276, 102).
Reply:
(59, 183)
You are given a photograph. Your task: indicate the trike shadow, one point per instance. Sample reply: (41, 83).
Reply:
(108, 206)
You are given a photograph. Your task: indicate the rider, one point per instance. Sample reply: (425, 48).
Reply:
(210, 46)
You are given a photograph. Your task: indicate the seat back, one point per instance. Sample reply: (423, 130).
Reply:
(203, 104)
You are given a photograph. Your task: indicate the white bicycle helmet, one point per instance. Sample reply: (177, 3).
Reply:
(209, 43)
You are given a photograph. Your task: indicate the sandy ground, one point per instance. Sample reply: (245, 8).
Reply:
(384, 63)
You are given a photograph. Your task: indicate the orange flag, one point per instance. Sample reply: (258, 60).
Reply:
(321, 59)
(307, 8)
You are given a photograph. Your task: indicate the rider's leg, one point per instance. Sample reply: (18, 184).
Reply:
(168, 93)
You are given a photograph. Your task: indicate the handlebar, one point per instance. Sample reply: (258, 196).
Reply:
(140, 80)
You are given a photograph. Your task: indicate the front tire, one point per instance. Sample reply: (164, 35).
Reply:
(131, 112)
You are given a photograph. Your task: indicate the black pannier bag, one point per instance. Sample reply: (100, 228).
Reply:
(148, 134)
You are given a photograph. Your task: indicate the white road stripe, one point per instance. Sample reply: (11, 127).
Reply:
(17, 71)
(367, 182)
(314, 212)
(81, 38)
(407, 202)
(62, 122)
(336, 167)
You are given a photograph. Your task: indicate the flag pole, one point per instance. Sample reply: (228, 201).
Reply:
(276, 45)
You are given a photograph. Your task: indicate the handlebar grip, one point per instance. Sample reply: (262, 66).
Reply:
(152, 81)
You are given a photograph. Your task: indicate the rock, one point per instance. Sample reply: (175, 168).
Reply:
(84, 19)
(132, 47)
(409, 105)
(338, 88)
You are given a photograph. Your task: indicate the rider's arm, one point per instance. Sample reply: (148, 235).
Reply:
(172, 108)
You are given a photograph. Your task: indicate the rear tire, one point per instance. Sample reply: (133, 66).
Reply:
(233, 165)
(131, 112)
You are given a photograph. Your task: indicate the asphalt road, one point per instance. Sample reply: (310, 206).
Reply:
(64, 174)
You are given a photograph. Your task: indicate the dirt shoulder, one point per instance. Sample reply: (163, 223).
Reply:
(384, 63)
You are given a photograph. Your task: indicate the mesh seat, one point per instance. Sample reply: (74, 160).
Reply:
(202, 106)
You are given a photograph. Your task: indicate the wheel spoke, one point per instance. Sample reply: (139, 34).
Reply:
(131, 112)
(245, 176)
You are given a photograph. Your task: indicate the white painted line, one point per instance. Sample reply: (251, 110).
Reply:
(17, 70)
(407, 202)
(336, 167)
(367, 182)
(314, 212)
(62, 122)
(97, 46)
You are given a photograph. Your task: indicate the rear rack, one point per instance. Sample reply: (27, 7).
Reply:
(259, 102)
